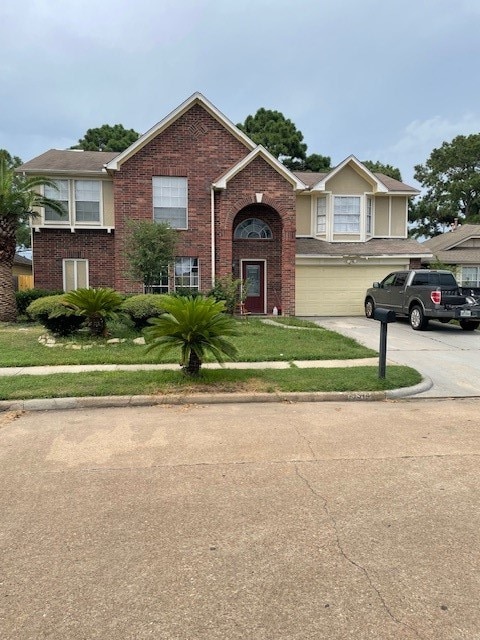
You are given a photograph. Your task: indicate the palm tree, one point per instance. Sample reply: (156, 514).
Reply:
(18, 198)
(95, 305)
(195, 324)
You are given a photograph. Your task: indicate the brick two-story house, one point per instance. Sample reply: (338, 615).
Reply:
(308, 243)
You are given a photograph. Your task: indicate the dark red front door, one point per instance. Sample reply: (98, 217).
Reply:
(253, 272)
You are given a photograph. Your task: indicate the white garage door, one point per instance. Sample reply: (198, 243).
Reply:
(336, 290)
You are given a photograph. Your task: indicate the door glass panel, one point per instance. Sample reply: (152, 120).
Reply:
(252, 273)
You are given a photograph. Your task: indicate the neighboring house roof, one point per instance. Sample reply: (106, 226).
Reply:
(378, 247)
(452, 248)
(259, 151)
(21, 260)
(68, 161)
(196, 98)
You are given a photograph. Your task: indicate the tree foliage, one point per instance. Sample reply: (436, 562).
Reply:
(149, 249)
(19, 196)
(385, 169)
(451, 179)
(107, 138)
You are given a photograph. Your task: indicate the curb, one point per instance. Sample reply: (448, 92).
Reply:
(103, 402)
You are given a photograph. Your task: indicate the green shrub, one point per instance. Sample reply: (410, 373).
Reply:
(54, 316)
(25, 297)
(142, 307)
(230, 290)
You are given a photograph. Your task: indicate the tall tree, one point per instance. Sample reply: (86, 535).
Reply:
(18, 198)
(277, 134)
(386, 169)
(107, 138)
(451, 178)
(150, 249)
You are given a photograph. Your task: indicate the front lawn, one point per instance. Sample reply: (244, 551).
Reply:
(257, 342)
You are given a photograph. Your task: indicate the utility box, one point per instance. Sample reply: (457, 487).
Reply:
(384, 315)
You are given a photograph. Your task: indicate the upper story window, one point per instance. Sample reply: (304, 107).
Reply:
(170, 201)
(369, 214)
(346, 214)
(253, 229)
(321, 215)
(81, 200)
(60, 194)
(87, 201)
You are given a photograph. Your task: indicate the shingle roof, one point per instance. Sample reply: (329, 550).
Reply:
(68, 161)
(448, 248)
(376, 247)
(18, 259)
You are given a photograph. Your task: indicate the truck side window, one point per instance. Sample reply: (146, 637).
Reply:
(388, 281)
(421, 278)
(400, 280)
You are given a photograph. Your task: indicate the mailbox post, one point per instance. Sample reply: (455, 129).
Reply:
(384, 316)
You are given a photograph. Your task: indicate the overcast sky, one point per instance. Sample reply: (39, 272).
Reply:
(385, 80)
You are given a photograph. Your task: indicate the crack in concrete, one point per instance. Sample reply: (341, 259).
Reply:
(351, 560)
(306, 440)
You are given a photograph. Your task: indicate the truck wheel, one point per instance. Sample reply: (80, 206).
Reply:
(469, 325)
(369, 307)
(418, 321)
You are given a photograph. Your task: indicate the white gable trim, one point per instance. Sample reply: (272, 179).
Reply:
(196, 98)
(351, 160)
(260, 151)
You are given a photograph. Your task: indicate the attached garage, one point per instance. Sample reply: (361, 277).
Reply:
(337, 290)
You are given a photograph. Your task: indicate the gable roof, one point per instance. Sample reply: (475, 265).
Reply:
(68, 161)
(260, 152)
(382, 183)
(196, 98)
(450, 239)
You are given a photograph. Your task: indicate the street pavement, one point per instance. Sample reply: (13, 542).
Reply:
(242, 521)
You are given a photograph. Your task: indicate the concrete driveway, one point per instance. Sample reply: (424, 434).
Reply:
(444, 352)
(232, 522)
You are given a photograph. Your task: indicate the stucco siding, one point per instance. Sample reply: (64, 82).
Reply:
(348, 182)
(303, 206)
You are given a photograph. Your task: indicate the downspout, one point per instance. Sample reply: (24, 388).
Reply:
(212, 223)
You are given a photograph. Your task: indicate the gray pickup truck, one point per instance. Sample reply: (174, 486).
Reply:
(422, 295)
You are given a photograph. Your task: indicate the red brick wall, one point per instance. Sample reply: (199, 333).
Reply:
(195, 146)
(279, 196)
(51, 246)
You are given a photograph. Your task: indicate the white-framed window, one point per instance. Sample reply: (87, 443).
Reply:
(253, 229)
(369, 225)
(61, 195)
(81, 199)
(162, 286)
(170, 196)
(87, 201)
(186, 273)
(322, 215)
(75, 274)
(470, 277)
(346, 214)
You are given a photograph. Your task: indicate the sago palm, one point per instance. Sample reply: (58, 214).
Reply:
(18, 198)
(197, 326)
(95, 305)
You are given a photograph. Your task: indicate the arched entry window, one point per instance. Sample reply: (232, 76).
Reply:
(253, 229)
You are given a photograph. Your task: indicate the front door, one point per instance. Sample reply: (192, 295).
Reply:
(253, 273)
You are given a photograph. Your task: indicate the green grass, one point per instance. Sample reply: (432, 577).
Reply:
(257, 342)
(219, 381)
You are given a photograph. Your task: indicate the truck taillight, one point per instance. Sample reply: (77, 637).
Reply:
(436, 297)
